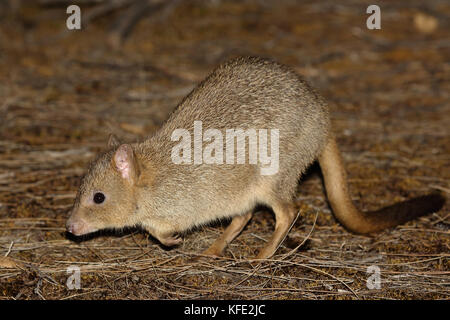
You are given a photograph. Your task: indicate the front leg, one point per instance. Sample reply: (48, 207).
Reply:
(165, 233)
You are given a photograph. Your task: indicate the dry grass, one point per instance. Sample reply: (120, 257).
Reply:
(389, 93)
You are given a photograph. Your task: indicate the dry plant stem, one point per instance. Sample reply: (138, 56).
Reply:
(304, 240)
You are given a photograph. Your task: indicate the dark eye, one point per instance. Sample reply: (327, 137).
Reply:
(99, 197)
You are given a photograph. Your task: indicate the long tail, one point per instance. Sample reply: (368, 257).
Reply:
(367, 222)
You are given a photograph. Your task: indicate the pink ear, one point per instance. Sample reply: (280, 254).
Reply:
(123, 161)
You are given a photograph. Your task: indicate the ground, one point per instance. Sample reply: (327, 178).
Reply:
(62, 92)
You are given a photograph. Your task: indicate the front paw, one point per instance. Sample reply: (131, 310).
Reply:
(171, 240)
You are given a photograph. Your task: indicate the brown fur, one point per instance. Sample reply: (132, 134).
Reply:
(167, 198)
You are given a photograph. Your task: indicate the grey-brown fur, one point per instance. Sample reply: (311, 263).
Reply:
(243, 93)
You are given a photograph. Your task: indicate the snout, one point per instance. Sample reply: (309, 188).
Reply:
(77, 226)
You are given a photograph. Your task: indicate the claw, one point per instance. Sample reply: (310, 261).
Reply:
(171, 240)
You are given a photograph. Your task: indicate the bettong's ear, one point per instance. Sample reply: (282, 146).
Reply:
(113, 141)
(125, 163)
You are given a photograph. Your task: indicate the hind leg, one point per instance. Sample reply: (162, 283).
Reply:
(235, 227)
(285, 215)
